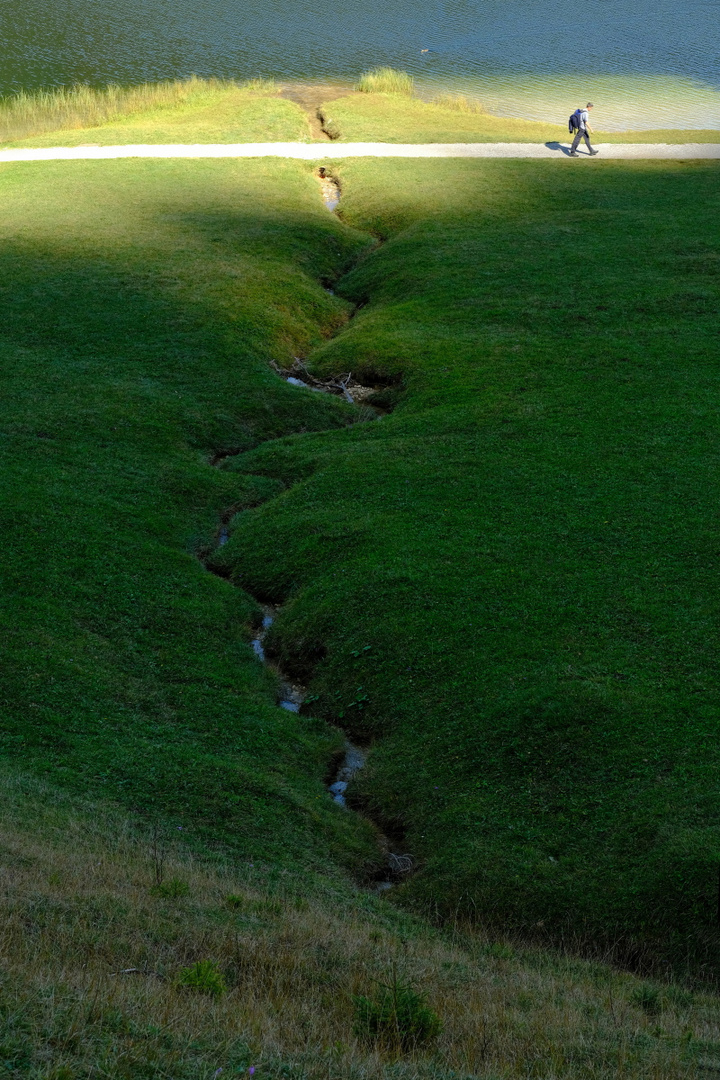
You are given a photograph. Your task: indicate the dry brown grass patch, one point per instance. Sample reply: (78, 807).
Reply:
(90, 958)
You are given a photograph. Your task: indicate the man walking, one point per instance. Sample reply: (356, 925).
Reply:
(583, 130)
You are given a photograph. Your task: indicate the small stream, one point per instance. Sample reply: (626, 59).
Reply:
(291, 695)
(329, 188)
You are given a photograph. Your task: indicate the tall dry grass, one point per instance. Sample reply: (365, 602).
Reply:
(26, 114)
(385, 80)
(97, 925)
(459, 103)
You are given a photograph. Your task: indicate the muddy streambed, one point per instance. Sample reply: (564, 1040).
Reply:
(329, 189)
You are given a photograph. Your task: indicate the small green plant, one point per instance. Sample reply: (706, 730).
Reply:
(204, 976)
(173, 889)
(385, 80)
(235, 901)
(396, 1017)
(648, 999)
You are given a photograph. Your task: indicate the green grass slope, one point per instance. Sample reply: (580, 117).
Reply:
(141, 304)
(511, 582)
(396, 118)
(508, 584)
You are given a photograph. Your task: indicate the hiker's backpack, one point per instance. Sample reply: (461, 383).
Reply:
(574, 122)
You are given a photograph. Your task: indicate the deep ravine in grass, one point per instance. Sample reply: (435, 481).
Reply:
(291, 695)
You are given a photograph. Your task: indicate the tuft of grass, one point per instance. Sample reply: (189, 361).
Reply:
(396, 1017)
(459, 103)
(204, 976)
(386, 80)
(174, 889)
(648, 999)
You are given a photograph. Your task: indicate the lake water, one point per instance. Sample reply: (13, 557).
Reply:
(650, 63)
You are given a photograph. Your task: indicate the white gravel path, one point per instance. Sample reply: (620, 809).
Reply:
(323, 151)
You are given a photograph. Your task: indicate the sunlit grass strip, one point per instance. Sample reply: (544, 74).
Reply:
(385, 80)
(25, 114)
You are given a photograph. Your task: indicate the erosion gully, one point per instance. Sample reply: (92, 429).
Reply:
(398, 864)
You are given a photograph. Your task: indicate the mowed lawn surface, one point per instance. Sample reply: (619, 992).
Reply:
(141, 304)
(511, 582)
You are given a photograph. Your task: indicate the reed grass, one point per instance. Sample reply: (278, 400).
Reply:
(93, 964)
(385, 80)
(26, 114)
(459, 103)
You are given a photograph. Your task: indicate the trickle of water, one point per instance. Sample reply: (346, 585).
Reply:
(329, 188)
(298, 382)
(257, 643)
(353, 761)
(291, 697)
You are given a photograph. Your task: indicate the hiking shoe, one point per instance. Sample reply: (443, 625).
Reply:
(573, 153)
(594, 152)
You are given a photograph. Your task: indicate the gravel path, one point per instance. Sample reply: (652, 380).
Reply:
(323, 151)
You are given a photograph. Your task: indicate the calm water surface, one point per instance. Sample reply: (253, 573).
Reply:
(647, 63)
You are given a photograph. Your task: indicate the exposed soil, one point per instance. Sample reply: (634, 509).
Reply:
(310, 97)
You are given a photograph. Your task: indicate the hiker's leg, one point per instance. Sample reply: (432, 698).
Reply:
(592, 152)
(576, 142)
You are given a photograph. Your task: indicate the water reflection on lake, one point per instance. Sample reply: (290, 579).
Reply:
(648, 64)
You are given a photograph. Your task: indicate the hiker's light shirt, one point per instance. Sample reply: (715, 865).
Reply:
(584, 118)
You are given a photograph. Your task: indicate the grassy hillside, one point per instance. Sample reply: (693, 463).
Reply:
(511, 579)
(101, 919)
(506, 585)
(141, 305)
(368, 117)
